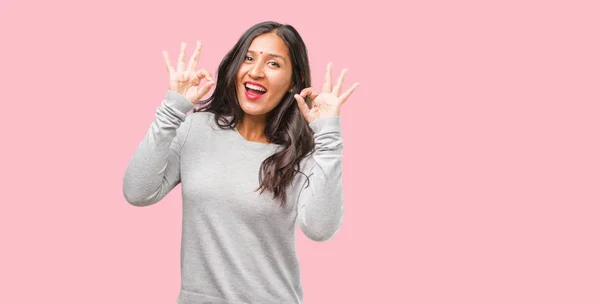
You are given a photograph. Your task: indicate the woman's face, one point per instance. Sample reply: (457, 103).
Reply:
(265, 75)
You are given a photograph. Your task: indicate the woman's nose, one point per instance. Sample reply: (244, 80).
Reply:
(256, 71)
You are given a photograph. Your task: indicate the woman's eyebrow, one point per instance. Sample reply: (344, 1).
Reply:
(271, 55)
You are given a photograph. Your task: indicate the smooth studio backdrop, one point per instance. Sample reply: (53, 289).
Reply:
(471, 160)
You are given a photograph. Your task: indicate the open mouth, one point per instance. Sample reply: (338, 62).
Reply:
(254, 90)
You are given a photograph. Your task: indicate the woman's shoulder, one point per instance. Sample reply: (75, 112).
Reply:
(299, 181)
(203, 119)
(204, 115)
(307, 163)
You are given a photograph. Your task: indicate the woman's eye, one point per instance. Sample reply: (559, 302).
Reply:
(248, 58)
(275, 64)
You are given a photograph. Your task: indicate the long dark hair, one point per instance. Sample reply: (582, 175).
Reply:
(285, 124)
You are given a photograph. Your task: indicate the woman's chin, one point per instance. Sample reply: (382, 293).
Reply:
(253, 110)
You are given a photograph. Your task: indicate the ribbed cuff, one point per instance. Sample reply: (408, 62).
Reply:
(178, 102)
(326, 124)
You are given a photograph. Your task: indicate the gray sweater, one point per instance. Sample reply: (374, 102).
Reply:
(238, 246)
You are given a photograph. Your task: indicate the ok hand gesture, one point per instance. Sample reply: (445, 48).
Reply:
(186, 81)
(327, 103)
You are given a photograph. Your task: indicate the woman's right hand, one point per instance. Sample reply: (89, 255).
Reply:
(187, 81)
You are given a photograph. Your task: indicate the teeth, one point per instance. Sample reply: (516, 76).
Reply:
(255, 87)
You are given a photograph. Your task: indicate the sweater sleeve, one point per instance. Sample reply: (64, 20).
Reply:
(320, 203)
(153, 170)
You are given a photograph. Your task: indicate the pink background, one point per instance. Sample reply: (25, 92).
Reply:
(471, 161)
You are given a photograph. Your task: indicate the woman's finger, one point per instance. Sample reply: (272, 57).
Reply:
(310, 92)
(340, 82)
(195, 55)
(205, 88)
(167, 61)
(347, 94)
(327, 84)
(304, 109)
(180, 61)
(203, 74)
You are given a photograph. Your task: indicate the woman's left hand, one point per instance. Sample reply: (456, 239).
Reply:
(327, 103)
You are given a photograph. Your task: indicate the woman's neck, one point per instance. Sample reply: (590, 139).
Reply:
(252, 128)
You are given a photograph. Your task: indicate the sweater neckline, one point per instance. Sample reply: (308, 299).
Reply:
(249, 143)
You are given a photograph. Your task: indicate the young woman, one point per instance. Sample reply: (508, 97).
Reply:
(261, 155)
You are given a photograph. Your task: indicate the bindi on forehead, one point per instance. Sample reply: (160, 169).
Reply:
(268, 54)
